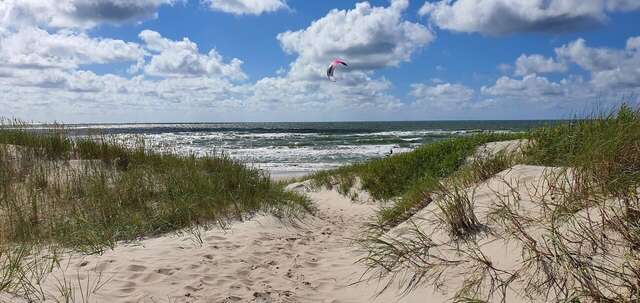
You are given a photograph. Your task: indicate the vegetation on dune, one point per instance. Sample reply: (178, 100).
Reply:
(582, 245)
(605, 149)
(88, 193)
(409, 179)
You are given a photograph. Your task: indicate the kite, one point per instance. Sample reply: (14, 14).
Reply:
(332, 68)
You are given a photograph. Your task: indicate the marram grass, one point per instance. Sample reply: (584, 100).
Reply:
(584, 246)
(88, 193)
(406, 181)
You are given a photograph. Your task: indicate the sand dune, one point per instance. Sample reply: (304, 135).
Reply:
(267, 260)
(261, 260)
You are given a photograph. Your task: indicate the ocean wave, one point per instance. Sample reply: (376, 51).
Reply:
(292, 146)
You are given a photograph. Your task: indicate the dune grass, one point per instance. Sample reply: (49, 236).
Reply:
(583, 245)
(61, 193)
(605, 148)
(409, 179)
(89, 193)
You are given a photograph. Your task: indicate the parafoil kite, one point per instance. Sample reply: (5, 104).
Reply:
(332, 68)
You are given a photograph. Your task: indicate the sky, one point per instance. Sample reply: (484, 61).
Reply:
(83, 61)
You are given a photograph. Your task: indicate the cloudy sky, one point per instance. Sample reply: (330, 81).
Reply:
(264, 60)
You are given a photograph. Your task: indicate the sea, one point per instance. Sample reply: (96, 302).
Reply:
(298, 148)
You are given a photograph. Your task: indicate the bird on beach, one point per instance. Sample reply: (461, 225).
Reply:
(332, 68)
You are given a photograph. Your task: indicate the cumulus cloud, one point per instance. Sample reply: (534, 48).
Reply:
(66, 81)
(183, 59)
(569, 96)
(591, 59)
(444, 95)
(501, 17)
(168, 74)
(246, 7)
(36, 48)
(538, 64)
(175, 75)
(368, 37)
(533, 87)
(76, 13)
(268, 98)
(610, 68)
(313, 97)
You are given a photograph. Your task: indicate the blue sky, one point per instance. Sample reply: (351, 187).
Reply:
(263, 60)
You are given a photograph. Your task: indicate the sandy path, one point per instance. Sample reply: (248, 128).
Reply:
(262, 260)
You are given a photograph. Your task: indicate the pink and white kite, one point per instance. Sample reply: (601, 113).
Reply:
(332, 68)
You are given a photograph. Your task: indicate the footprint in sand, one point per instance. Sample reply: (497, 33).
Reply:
(231, 299)
(165, 271)
(208, 257)
(136, 268)
(261, 297)
(313, 262)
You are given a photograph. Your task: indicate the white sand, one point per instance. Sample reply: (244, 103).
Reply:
(522, 187)
(265, 260)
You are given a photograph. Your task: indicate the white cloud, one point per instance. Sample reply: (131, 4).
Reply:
(76, 13)
(538, 64)
(633, 44)
(623, 5)
(591, 59)
(36, 48)
(444, 95)
(500, 17)
(367, 37)
(565, 98)
(447, 100)
(172, 77)
(268, 98)
(313, 97)
(529, 86)
(614, 75)
(65, 81)
(610, 68)
(246, 7)
(183, 59)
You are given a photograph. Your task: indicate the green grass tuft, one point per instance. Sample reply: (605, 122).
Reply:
(408, 179)
(89, 193)
(582, 246)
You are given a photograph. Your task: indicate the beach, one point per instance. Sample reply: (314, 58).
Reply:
(264, 259)
(485, 216)
(292, 151)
